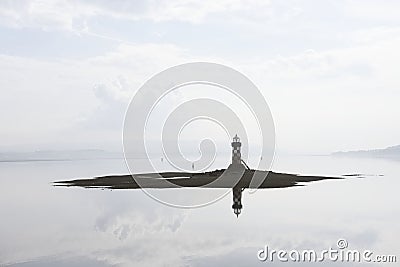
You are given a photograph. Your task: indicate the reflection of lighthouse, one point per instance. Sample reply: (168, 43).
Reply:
(237, 200)
(236, 162)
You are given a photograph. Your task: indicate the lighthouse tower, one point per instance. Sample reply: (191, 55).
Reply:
(236, 155)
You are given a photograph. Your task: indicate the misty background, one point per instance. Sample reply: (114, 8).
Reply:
(328, 69)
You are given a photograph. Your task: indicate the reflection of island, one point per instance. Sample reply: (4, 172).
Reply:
(237, 176)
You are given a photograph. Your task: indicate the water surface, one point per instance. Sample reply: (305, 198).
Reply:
(42, 225)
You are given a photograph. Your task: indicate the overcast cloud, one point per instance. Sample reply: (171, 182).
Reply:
(328, 69)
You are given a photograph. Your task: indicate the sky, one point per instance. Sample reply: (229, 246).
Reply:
(327, 69)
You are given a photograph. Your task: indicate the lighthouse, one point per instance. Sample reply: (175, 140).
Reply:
(236, 155)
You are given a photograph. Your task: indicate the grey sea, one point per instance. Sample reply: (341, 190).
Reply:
(43, 225)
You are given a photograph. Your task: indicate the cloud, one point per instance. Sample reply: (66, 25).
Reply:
(49, 101)
(127, 224)
(373, 10)
(80, 16)
(71, 15)
(292, 52)
(91, 94)
(113, 99)
(125, 70)
(348, 90)
(76, 16)
(46, 15)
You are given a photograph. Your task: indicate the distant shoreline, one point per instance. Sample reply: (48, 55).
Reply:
(392, 152)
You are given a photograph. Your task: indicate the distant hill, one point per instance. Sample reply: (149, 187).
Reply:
(390, 152)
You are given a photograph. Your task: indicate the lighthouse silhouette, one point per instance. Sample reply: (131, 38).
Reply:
(236, 154)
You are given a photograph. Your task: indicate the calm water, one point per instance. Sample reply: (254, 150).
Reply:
(46, 226)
